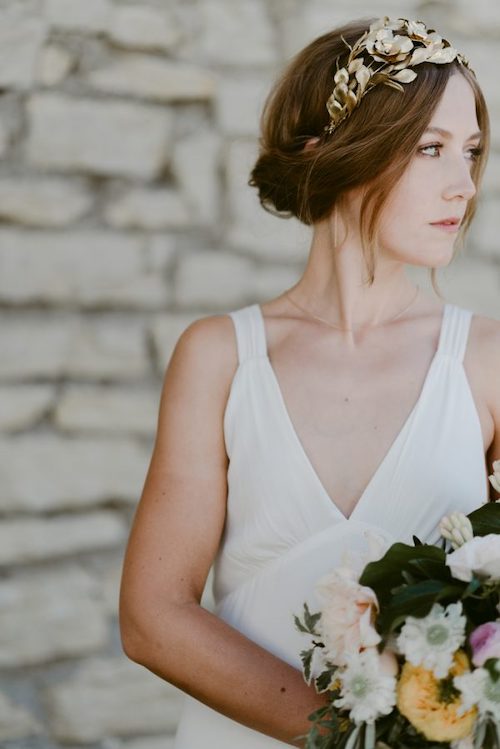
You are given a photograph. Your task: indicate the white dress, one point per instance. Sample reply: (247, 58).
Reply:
(283, 532)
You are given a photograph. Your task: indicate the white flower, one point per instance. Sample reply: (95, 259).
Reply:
(479, 556)
(348, 611)
(457, 528)
(432, 640)
(366, 691)
(478, 688)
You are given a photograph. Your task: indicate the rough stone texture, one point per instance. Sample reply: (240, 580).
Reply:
(239, 103)
(166, 330)
(69, 473)
(213, 279)
(152, 78)
(21, 406)
(90, 16)
(16, 722)
(87, 267)
(143, 27)
(102, 137)
(22, 33)
(237, 33)
(42, 202)
(54, 65)
(31, 540)
(195, 164)
(34, 347)
(49, 614)
(122, 697)
(150, 209)
(84, 409)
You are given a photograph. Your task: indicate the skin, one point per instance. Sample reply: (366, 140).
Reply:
(329, 380)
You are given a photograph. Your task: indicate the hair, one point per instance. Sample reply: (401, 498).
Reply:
(371, 148)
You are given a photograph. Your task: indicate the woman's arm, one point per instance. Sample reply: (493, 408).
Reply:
(174, 538)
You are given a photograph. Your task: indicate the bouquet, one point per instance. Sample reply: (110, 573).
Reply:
(406, 647)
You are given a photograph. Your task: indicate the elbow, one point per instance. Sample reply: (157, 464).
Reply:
(132, 641)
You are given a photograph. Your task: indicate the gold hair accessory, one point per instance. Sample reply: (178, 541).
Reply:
(398, 44)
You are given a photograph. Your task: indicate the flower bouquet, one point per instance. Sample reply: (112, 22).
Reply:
(406, 647)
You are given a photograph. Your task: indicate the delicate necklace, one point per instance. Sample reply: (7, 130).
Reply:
(327, 322)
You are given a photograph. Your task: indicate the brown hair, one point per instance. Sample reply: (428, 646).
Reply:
(372, 147)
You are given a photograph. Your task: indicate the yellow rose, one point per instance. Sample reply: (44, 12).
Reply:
(418, 700)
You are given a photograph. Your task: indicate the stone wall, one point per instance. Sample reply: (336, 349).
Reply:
(127, 131)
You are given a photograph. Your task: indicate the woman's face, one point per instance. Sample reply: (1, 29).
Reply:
(436, 185)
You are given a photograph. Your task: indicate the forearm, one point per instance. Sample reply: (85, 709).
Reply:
(213, 662)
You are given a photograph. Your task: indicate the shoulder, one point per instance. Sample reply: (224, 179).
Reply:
(207, 346)
(487, 352)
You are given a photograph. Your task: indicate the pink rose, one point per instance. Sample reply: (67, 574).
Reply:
(348, 613)
(485, 642)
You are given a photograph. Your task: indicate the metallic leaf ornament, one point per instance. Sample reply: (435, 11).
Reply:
(399, 44)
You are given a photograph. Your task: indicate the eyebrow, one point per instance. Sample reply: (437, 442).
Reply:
(447, 134)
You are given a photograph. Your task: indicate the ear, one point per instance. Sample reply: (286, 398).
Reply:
(310, 143)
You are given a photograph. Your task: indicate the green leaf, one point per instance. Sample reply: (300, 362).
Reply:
(306, 658)
(299, 625)
(311, 620)
(324, 680)
(486, 519)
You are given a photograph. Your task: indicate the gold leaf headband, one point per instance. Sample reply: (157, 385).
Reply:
(398, 44)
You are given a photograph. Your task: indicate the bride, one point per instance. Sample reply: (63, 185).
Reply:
(353, 404)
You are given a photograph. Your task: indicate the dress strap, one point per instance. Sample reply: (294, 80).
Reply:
(250, 332)
(455, 331)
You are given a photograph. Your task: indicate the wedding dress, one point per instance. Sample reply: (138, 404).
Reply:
(283, 532)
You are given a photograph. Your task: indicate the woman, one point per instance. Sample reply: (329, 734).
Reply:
(276, 449)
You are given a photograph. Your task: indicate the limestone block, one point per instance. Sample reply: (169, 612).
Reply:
(195, 164)
(165, 332)
(33, 346)
(110, 579)
(16, 722)
(85, 408)
(108, 348)
(43, 201)
(251, 228)
(22, 33)
(22, 405)
(213, 279)
(239, 103)
(111, 697)
(160, 252)
(54, 64)
(48, 614)
(74, 15)
(4, 138)
(272, 280)
(150, 77)
(236, 33)
(155, 742)
(88, 267)
(45, 472)
(143, 27)
(100, 137)
(149, 208)
(484, 235)
(27, 540)
(317, 17)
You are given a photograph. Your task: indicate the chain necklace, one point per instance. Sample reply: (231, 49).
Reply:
(327, 322)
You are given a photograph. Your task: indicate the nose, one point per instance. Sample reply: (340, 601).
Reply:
(459, 182)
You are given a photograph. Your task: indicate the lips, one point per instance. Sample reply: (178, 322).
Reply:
(450, 221)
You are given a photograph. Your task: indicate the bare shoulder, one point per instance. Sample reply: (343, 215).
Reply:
(208, 345)
(486, 350)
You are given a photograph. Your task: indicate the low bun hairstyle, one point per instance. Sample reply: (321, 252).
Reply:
(371, 147)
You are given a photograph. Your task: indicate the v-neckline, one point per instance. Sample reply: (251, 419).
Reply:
(299, 445)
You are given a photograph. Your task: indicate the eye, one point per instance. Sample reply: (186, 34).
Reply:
(475, 152)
